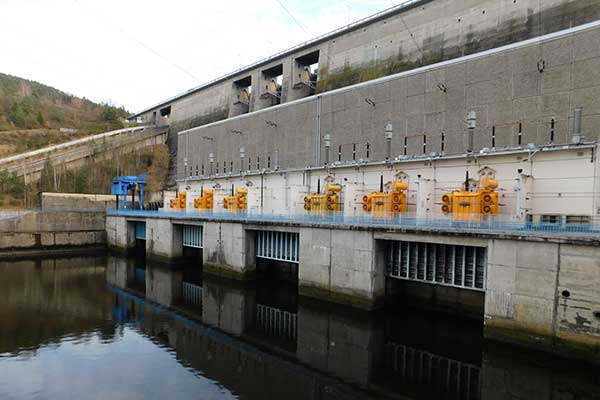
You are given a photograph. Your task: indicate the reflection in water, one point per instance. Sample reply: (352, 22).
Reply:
(116, 328)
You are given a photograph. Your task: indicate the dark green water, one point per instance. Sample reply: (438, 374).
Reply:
(109, 328)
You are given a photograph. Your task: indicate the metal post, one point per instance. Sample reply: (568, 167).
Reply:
(389, 133)
(327, 143)
(471, 125)
(577, 134)
(242, 156)
(141, 196)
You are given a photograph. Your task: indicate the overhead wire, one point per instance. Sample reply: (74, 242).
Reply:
(140, 43)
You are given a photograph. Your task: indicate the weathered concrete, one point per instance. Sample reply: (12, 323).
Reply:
(56, 201)
(420, 33)
(339, 266)
(228, 250)
(72, 155)
(45, 230)
(544, 294)
(120, 234)
(163, 239)
(539, 289)
(514, 101)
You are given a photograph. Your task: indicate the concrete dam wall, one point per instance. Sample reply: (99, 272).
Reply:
(413, 34)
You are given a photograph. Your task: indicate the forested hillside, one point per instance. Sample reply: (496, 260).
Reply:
(33, 115)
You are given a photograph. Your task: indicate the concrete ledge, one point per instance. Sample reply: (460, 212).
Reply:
(227, 272)
(342, 298)
(575, 346)
(11, 242)
(52, 252)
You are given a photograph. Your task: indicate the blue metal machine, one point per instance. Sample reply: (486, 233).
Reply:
(122, 185)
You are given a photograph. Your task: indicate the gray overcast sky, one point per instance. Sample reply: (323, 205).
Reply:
(138, 52)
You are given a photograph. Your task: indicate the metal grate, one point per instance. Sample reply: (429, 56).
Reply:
(192, 294)
(442, 264)
(281, 246)
(192, 236)
(453, 379)
(276, 322)
(140, 230)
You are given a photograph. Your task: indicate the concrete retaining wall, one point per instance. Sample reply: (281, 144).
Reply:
(44, 230)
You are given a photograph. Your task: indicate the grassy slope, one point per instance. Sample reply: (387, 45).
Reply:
(31, 115)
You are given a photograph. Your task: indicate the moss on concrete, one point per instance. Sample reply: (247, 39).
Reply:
(571, 347)
(340, 298)
(350, 75)
(227, 272)
(215, 115)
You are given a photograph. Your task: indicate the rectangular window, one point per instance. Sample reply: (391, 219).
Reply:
(550, 219)
(578, 219)
(405, 145)
(520, 137)
(443, 142)
(493, 137)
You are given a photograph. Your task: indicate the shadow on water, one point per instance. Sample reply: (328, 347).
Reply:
(255, 340)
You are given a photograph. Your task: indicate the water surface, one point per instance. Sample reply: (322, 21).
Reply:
(116, 328)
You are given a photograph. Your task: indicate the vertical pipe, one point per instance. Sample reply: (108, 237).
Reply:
(141, 197)
(577, 134)
(381, 183)
(318, 130)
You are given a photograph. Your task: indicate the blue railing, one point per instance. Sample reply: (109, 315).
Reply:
(488, 223)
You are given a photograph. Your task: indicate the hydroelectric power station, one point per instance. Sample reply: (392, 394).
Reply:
(442, 153)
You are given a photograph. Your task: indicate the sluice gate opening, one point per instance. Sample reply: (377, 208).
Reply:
(192, 242)
(277, 255)
(449, 277)
(139, 229)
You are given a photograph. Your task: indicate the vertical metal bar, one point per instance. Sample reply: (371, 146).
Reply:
(258, 243)
(474, 266)
(270, 243)
(408, 259)
(453, 252)
(464, 262)
(484, 266)
(425, 259)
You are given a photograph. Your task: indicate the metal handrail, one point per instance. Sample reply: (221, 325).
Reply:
(496, 224)
(71, 143)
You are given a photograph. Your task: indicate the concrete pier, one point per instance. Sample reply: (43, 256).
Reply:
(537, 289)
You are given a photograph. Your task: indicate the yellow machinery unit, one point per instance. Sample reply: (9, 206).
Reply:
(465, 205)
(394, 201)
(239, 201)
(328, 201)
(205, 201)
(179, 202)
